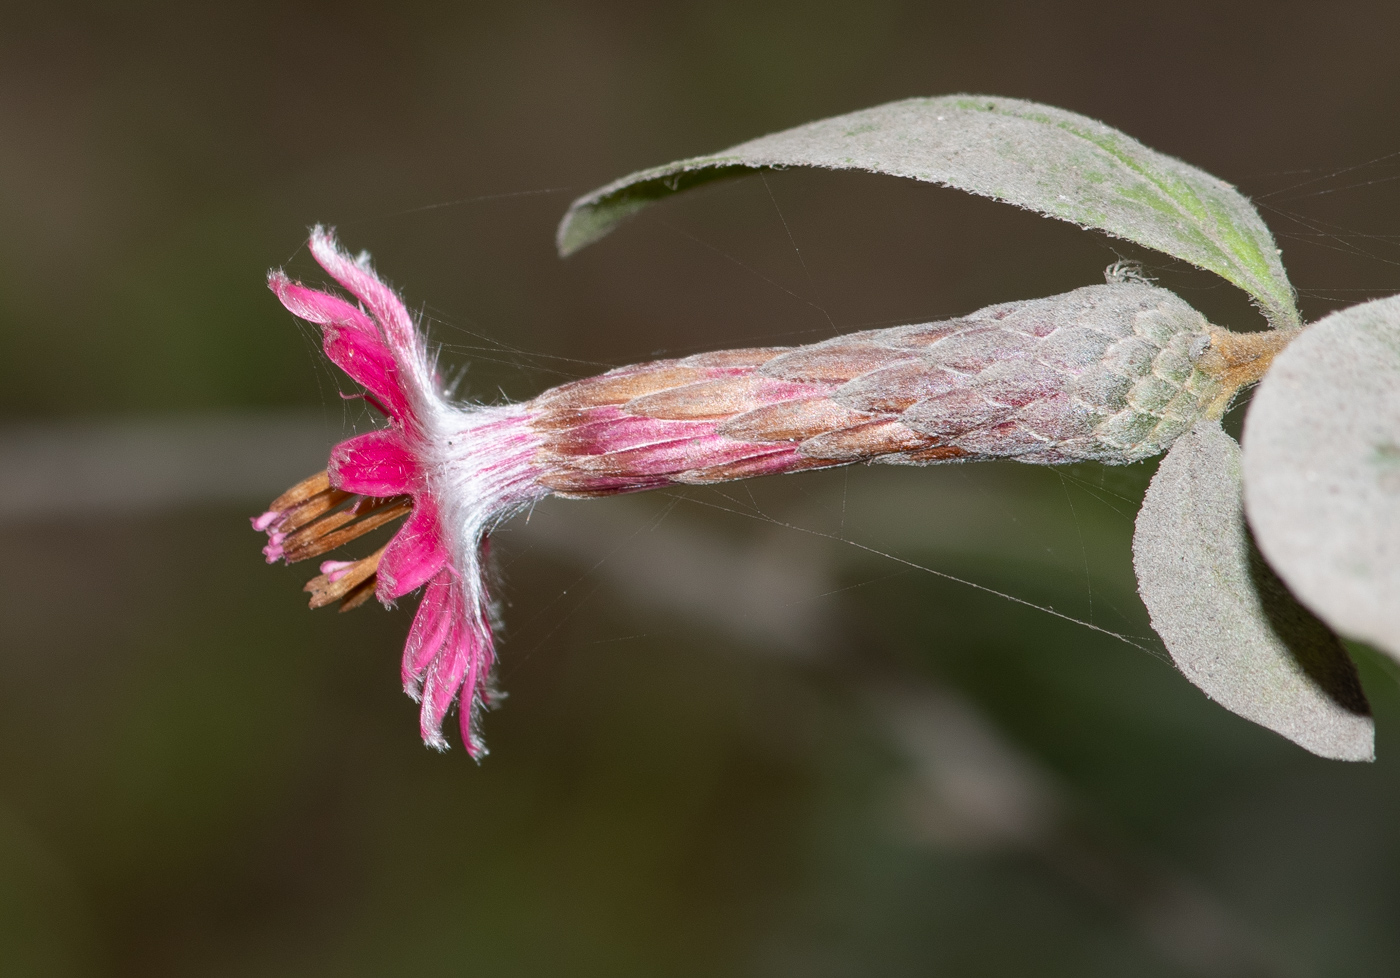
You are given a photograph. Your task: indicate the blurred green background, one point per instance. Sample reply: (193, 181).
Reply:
(735, 744)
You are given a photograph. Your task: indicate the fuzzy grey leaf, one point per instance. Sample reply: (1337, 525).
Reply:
(1230, 625)
(1322, 470)
(1034, 156)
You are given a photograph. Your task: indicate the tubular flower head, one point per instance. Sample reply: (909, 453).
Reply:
(454, 471)
(1112, 373)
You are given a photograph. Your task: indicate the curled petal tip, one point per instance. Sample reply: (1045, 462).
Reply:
(468, 709)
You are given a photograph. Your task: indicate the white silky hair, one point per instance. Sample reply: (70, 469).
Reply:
(478, 460)
(481, 468)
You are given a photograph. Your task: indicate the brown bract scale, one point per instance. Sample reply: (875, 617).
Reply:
(1111, 373)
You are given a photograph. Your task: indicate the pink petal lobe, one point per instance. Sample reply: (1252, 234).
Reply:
(370, 364)
(429, 630)
(351, 340)
(447, 659)
(415, 555)
(469, 703)
(459, 653)
(359, 279)
(320, 308)
(373, 464)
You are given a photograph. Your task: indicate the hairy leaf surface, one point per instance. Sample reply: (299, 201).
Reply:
(1322, 470)
(1038, 157)
(1230, 625)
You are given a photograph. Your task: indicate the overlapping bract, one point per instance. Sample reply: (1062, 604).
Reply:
(1105, 373)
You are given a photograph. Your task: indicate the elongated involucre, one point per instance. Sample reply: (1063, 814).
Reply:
(1108, 373)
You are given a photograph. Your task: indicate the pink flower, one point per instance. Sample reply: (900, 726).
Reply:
(1107, 372)
(455, 471)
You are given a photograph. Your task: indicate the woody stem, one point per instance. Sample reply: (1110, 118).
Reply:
(1240, 359)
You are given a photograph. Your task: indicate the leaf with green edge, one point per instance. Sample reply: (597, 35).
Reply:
(1230, 624)
(1038, 157)
(1322, 470)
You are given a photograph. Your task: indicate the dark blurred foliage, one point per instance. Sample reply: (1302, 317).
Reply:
(197, 776)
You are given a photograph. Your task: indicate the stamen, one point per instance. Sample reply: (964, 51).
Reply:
(302, 491)
(342, 578)
(360, 506)
(298, 516)
(359, 594)
(331, 531)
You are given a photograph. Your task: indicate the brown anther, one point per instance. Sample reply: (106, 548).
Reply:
(324, 590)
(332, 531)
(359, 594)
(302, 514)
(301, 492)
(314, 531)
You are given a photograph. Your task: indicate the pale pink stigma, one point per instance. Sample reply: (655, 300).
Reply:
(335, 570)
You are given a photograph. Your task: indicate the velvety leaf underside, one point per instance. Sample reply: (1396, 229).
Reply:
(1322, 470)
(1042, 158)
(1230, 624)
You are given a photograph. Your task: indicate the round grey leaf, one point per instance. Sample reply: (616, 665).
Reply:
(1322, 470)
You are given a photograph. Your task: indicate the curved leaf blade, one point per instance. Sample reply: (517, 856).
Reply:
(1322, 470)
(1035, 156)
(1230, 625)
